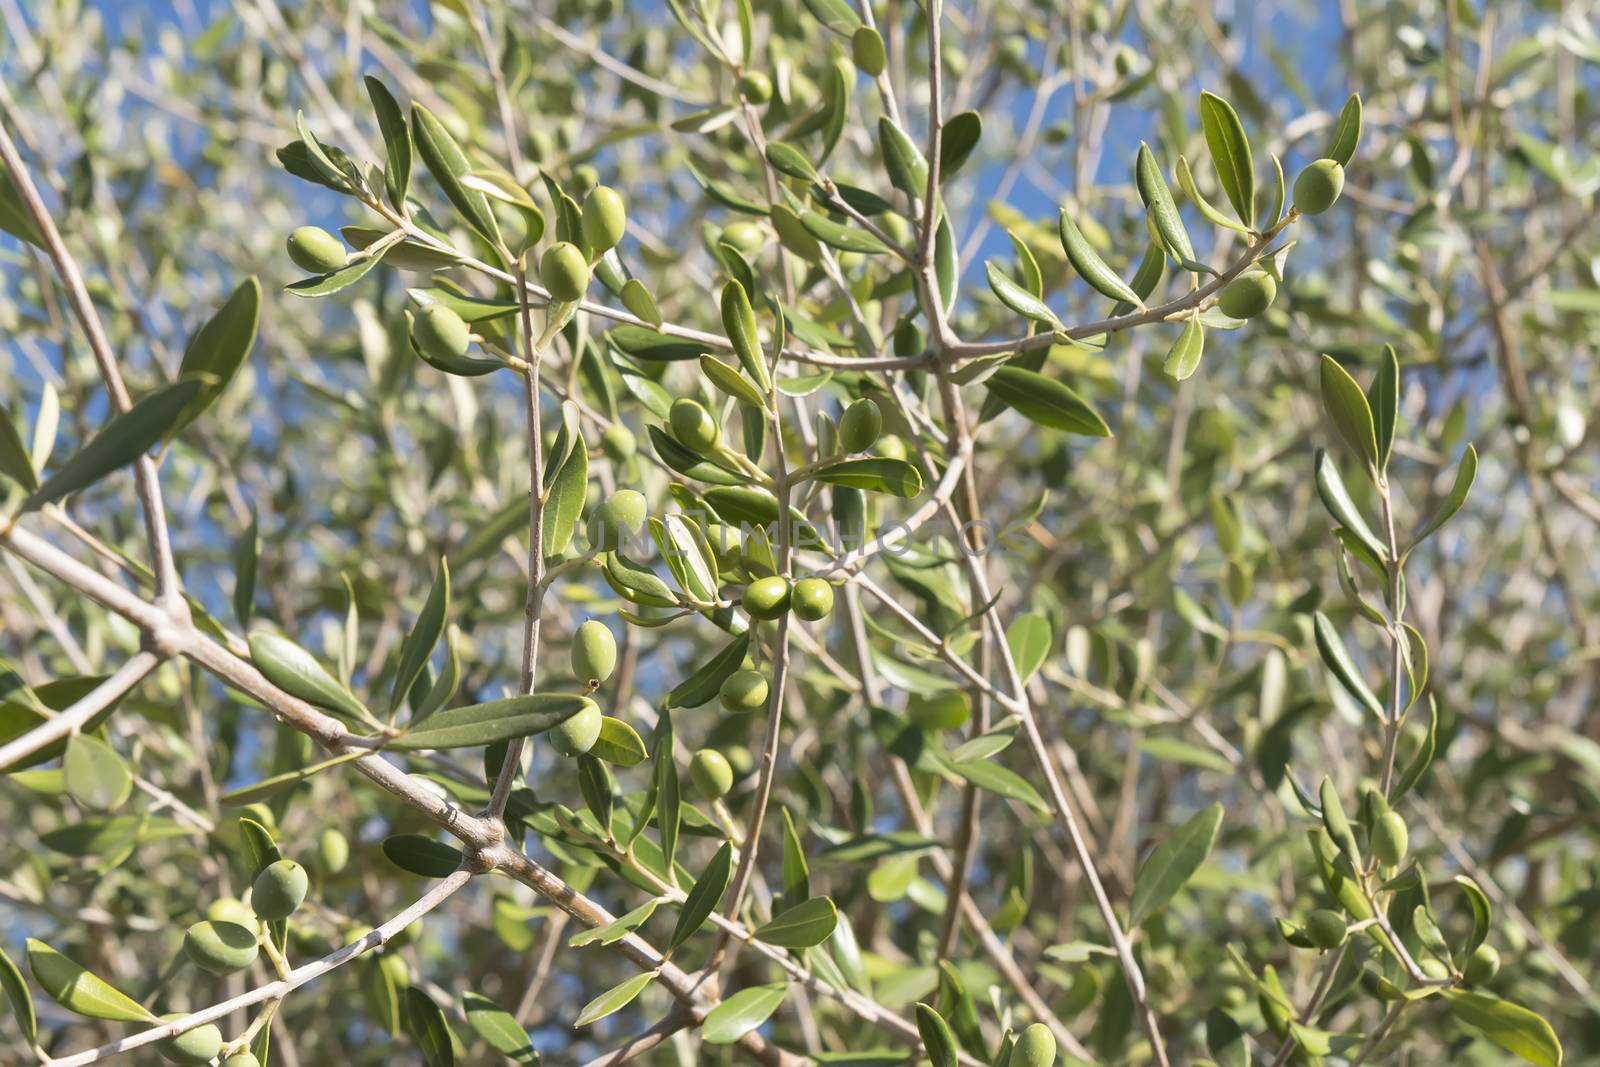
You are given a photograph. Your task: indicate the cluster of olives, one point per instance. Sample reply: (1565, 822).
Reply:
(594, 657)
(774, 596)
(228, 940)
(1315, 191)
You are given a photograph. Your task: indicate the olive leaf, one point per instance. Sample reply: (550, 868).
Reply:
(1017, 298)
(496, 720)
(424, 856)
(1466, 473)
(805, 925)
(15, 463)
(1159, 205)
(424, 635)
(427, 1025)
(614, 999)
(123, 440)
(19, 996)
(298, 673)
(742, 1012)
(1046, 401)
(937, 1040)
(1348, 409)
(94, 775)
(618, 743)
(1090, 267)
(499, 1029)
(1184, 356)
(703, 897)
(875, 474)
(1230, 153)
(1346, 132)
(1337, 659)
(1511, 1026)
(1173, 863)
(80, 991)
(448, 164)
(702, 685)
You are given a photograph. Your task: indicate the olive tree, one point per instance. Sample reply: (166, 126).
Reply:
(839, 533)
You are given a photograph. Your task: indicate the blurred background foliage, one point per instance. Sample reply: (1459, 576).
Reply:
(1179, 562)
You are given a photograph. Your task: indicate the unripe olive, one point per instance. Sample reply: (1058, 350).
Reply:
(909, 339)
(279, 890)
(577, 734)
(1318, 186)
(1248, 295)
(1127, 60)
(813, 599)
(314, 249)
(940, 711)
(747, 237)
(585, 177)
(439, 332)
(242, 1059)
(1434, 968)
(891, 447)
(767, 598)
(618, 442)
(196, 1046)
(594, 653)
(220, 947)
(744, 690)
(724, 542)
(235, 911)
(605, 219)
(1326, 929)
(860, 426)
(711, 773)
(333, 850)
(565, 272)
(1390, 839)
(1482, 966)
(867, 51)
(1035, 1047)
(395, 966)
(617, 518)
(693, 425)
(755, 86)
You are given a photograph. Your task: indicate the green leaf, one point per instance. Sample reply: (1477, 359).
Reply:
(665, 796)
(741, 1013)
(94, 775)
(875, 474)
(246, 551)
(838, 235)
(20, 997)
(1160, 207)
(704, 683)
(1466, 473)
(122, 440)
(618, 928)
(1509, 1025)
(1001, 781)
(1046, 401)
(566, 495)
(277, 783)
(618, 743)
(500, 1029)
(704, 897)
(1336, 498)
(739, 322)
(298, 673)
(496, 720)
(937, 1040)
(15, 218)
(836, 15)
(1087, 262)
(960, 136)
(426, 1024)
(1192, 191)
(1422, 759)
(614, 999)
(1384, 400)
(1029, 637)
(1347, 407)
(423, 637)
(421, 855)
(396, 141)
(332, 282)
(77, 990)
(787, 159)
(1184, 355)
(15, 463)
(808, 923)
(1173, 863)
(796, 884)
(1338, 661)
(637, 298)
(1482, 913)
(217, 351)
(1017, 298)
(727, 378)
(1230, 152)
(448, 165)
(902, 160)
(1346, 132)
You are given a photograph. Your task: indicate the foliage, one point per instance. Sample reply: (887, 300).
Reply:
(823, 533)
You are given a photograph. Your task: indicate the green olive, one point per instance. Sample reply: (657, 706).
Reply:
(314, 249)
(693, 425)
(617, 519)
(891, 447)
(747, 237)
(1248, 295)
(585, 177)
(594, 653)
(333, 851)
(1326, 929)
(220, 947)
(605, 219)
(576, 734)
(909, 339)
(867, 51)
(396, 968)
(767, 598)
(724, 542)
(235, 911)
(1318, 186)
(1483, 965)
(744, 690)
(860, 426)
(1035, 1047)
(279, 890)
(196, 1046)
(813, 599)
(939, 711)
(755, 86)
(1390, 839)
(565, 272)
(1434, 969)
(242, 1059)
(618, 442)
(440, 333)
(711, 773)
